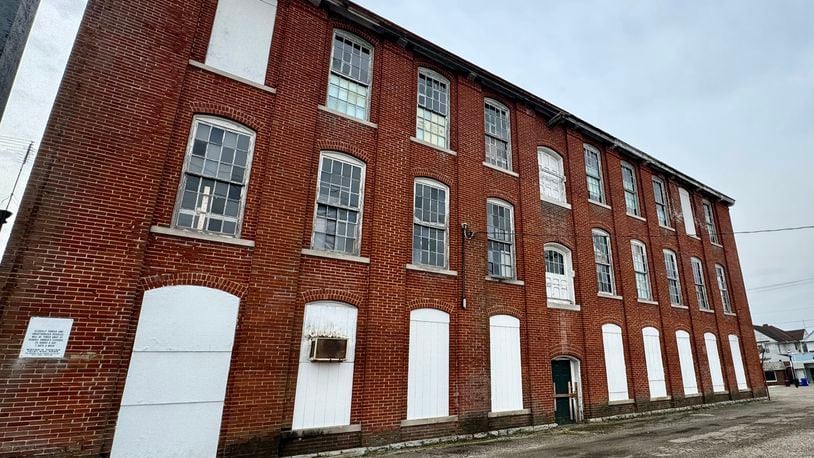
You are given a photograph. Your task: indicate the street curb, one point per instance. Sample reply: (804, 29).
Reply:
(627, 416)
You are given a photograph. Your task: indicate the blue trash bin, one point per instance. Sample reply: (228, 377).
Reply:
(803, 381)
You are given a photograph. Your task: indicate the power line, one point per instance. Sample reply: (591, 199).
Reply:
(571, 234)
(782, 285)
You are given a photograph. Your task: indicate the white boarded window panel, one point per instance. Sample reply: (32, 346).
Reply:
(241, 38)
(504, 351)
(655, 365)
(686, 211)
(737, 360)
(714, 363)
(615, 362)
(324, 389)
(428, 372)
(176, 383)
(687, 364)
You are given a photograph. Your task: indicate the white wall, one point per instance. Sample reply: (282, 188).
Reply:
(504, 353)
(176, 383)
(615, 362)
(655, 365)
(688, 377)
(324, 389)
(714, 361)
(428, 371)
(241, 38)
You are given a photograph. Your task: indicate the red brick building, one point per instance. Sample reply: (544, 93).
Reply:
(289, 226)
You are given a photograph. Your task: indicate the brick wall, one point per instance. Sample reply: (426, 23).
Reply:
(109, 169)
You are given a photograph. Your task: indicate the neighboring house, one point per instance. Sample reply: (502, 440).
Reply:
(245, 223)
(783, 348)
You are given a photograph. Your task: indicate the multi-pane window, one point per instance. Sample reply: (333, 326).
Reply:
(430, 223)
(432, 123)
(500, 235)
(349, 80)
(662, 204)
(709, 220)
(498, 143)
(720, 273)
(631, 194)
(338, 215)
(552, 175)
(673, 283)
(558, 273)
(216, 172)
(700, 288)
(593, 170)
(640, 270)
(603, 260)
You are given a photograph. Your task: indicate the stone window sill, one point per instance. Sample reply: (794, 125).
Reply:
(429, 421)
(508, 282)
(232, 76)
(635, 217)
(647, 301)
(730, 314)
(554, 304)
(621, 402)
(716, 244)
(364, 122)
(435, 147)
(335, 255)
(694, 237)
(661, 398)
(667, 227)
(509, 413)
(679, 306)
(507, 172)
(432, 270)
(610, 296)
(561, 204)
(308, 432)
(707, 310)
(201, 236)
(600, 204)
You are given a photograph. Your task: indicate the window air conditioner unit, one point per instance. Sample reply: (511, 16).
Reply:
(327, 349)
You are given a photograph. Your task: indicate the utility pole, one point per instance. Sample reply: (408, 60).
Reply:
(5, 214)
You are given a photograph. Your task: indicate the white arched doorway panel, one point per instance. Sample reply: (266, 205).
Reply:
(176, 382)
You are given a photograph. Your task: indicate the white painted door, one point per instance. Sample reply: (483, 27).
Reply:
(615, 362)
(737, 360)
(504, 351)
(176, 383)
(324, 389)
(687, 365)
(428, 371)
(655, 365)
(714, 363)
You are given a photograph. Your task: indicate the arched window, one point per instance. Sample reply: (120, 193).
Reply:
(641, 270)
(506, 369)
(428, 364)
(604, 262)
(430, 223)
(687, 365)
(714, 360)
(432, 114)
(212, 191)
(350, 76)
(631, 190)
(673, 282)
(700, 286)
(500, 235)
(653, 360)
(615, 362)
(559, 274)
(737, 361)
(593, 171)
(662, 202)
(552, 176)
(338, 210)
(720, 274)
(497, 134)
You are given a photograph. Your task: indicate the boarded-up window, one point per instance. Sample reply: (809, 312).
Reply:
(714, 363)
(655, 365)
(428, 373)
(324, 389)
(615, 362)
(504, 347)
(737, 360)
(241, 38)
(686, 211)
(687, 364)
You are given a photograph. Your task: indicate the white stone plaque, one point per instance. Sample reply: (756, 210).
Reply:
(46, 337)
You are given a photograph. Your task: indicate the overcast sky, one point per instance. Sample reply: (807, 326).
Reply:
(723, 91)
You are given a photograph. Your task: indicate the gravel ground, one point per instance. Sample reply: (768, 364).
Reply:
(783, 426)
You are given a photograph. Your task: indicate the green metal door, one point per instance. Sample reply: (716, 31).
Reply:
(561, 374)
